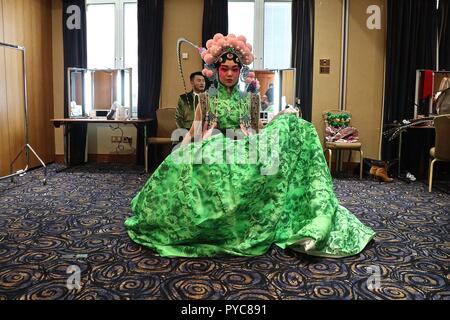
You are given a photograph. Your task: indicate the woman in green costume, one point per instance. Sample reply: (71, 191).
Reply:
(232, 188)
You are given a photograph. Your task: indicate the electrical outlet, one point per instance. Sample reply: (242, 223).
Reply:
(127, 140)
(119, 139)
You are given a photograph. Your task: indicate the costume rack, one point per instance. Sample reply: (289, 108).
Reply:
(27, 147)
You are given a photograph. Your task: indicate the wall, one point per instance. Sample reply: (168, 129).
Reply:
(26, 23)
(365, 75)
(365, 69)
(58, 73)
(327, 45)
(4, 126)
(182, 19)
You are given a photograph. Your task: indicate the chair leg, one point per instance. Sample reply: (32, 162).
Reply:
(330, 154)
(430, 174)
(361, 157)
(336, 167)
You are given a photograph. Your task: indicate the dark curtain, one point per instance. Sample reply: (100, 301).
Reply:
(75, 55)
(303, 52)
(215, 19)
(411, 45)
(150, 31)
(444, 35)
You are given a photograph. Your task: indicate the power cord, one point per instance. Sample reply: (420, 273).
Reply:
(120, 147)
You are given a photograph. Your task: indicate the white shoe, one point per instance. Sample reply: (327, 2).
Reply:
(410, 177)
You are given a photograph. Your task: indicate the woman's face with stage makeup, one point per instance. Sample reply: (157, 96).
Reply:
(229, 73)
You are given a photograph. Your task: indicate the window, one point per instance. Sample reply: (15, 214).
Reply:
(267, 25)
(112, 38)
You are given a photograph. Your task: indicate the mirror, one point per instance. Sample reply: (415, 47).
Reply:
(429, 84)
(91, 92)
(277, 90)
(75, 94)
(288, 87)
(267, 79)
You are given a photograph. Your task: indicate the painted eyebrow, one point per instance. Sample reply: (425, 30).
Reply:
(228, 67)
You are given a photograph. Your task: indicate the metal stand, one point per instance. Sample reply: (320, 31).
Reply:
(27, 147)
(399, 159)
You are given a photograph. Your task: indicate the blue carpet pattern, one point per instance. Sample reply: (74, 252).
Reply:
(76, 221)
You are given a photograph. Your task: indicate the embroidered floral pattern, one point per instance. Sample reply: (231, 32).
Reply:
(212, 208)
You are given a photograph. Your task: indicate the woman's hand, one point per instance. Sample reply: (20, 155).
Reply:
(290, 110)
(244, 130)
(209, 132)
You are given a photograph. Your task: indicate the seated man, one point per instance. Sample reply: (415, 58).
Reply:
(188, 102)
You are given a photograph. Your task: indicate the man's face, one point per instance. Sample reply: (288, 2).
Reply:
(198, 84)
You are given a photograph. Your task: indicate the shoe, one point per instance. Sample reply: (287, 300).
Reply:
(382, 175)
(410, 177)
(373, 170)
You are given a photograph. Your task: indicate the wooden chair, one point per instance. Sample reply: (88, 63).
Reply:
(338, 146)
(441, 151)
(166, 123)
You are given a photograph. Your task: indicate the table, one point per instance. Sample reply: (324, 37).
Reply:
(400, 142)
(66, 122)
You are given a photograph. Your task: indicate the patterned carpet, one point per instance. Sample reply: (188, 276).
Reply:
(77, 219)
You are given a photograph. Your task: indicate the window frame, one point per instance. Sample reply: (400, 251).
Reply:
(258, 30)
(119, 31)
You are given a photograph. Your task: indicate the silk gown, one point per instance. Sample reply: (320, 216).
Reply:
(215, 197)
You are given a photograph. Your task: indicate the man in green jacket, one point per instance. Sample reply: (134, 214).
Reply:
(188, 102)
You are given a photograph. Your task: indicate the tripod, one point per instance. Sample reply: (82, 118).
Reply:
(27, 147)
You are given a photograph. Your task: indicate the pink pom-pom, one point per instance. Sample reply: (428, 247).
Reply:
(239, 45)
(249, 46)
(209, 43)
(209, 73)
(209, 59)
(232, 42)
(203, 54)
(214, 50)
(205, 72)
(251, 74)
(242, 38)
(218, 36)
(221, 42)
(246, 52)
(248, 80)
(231, 35)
